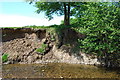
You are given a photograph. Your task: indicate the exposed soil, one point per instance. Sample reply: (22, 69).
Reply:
(11, 34)
(21, 44)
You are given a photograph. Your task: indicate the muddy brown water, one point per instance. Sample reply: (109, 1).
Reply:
(57, 70)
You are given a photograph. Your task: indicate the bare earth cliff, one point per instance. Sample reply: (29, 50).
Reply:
(21, 44)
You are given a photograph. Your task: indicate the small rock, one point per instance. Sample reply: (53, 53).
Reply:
(35, 55)
(43, 70)
(40, 56)
(30, 59)
(43, 40)
(8, 62)
(50, 45)
(61, 77)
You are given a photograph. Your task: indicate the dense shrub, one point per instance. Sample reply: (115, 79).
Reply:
(100, 23)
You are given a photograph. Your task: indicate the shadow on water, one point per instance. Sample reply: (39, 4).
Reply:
(117, 70)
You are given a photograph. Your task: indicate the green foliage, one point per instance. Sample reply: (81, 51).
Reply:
(49, 8)
(59, 8)
(100, 23)
(5, 57)
(12, 27)
(34, 26)
(42, 49)
(30, 26)
(74, 21)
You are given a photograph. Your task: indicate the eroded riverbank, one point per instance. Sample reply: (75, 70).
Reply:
(27, 45)
(57, 70)
(22, 48)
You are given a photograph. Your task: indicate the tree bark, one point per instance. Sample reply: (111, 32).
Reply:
(68, 21)
(66, 14)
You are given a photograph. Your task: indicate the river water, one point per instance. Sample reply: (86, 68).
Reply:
(57, 70)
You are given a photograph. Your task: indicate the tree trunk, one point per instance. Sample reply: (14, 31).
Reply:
(66, 14)
(68, 21)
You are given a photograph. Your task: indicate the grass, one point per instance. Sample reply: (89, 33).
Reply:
(51, 26)
(5, 57)
(41, 50)
(12, 27)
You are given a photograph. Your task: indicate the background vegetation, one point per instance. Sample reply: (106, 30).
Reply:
(100, 23)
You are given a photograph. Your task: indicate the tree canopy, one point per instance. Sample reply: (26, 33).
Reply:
(59, 8)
